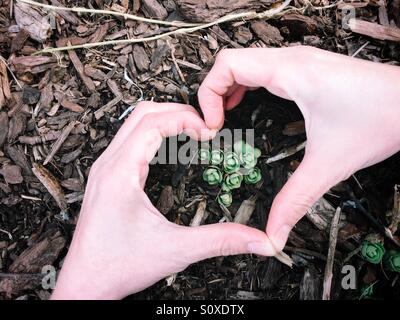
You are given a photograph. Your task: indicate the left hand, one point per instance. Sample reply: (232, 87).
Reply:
(122, 243)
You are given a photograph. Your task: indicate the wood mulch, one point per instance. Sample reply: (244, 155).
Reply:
(61, 111)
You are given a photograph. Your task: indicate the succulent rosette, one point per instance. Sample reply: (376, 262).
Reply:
(212, 175)
(225, 199)
(242, 147)
(231, 162)
(216, 157)
(372, 251)
(248, 160)
(224, 187)
(247, 154)
(204, 154)
(253, 176)
(392, 261)
(234, 180)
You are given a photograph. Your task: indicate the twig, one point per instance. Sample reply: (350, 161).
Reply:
(12, 73)
(178, 69)
(57, 145)
(198, 219)
(354, 55)
(52, 186)
(244, 15)
(326, 295)
(126, 16)
(287, 153)
(396, 210)
(7, 233)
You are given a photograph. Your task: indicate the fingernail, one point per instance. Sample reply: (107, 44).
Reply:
(261, 248)
(280, 237)
(213, 133)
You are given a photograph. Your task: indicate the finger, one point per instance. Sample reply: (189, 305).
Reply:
(223, 239)
(234, 99)
(251, 67)
(143, 108)
(308, 183)
(144, 141)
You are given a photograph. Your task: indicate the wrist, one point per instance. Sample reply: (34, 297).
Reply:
(81, 280)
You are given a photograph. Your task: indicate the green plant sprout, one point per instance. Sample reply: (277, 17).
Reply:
(225, 199)
(392, 261)
(204, 154)
(212, 175)
(234, 180)
(367, 290)
(372, 252)
(216, 158)
(230, 169)
(253, 176)
(231, 162)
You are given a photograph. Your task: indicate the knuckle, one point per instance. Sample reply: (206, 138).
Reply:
(225, 248)
(224, 55)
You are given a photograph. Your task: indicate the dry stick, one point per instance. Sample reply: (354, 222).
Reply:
(172, 48)
(197, 220)
(126, 16)
(287, 152)
(244, 15)
(396, 210)
(57, 145)
(326, 295)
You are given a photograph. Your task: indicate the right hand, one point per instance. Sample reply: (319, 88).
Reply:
(351, 109)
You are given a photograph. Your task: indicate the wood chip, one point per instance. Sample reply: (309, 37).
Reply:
(294, 128)
(32, 64)
(51, 184)
(310, 284)
(43, 253)
(142, 61)
(245, 210)
(12, 174)
(209, 10)
(19, 40)
(270, 35)
(201, 214)
(5, 93)
(17, 155)
(166, 200)
(299, 24)
(32, 21)
(72, 106)
(3, 127)
(63, 136)
(94, 73)
(12, 284)
(79, 68)
(153, 9)
(374, 30)
(331, 255)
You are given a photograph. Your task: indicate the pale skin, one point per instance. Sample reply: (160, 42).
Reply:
(122, 244)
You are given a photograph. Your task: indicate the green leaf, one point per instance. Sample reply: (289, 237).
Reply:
(212, 175)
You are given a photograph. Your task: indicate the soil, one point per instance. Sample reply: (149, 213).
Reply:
(66, 111)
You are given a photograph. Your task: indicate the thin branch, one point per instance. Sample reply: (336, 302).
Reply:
(326, 295)
(244, 15)
(126, 16)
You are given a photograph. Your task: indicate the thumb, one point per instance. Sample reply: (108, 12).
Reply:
(223, 239)
(308, 183)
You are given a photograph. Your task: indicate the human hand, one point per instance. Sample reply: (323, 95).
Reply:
(122, 243)
(351, 110)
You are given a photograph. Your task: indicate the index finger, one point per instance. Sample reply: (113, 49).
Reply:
(249, 67)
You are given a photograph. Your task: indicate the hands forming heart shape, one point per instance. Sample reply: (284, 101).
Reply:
(122, 244)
